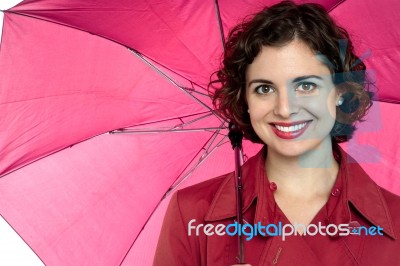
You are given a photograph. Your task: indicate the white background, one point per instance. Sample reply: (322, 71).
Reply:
(13, 250)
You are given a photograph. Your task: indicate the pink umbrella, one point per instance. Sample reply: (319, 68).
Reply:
(78, 195)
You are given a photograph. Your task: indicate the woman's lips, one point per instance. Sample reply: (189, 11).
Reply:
(290, 130)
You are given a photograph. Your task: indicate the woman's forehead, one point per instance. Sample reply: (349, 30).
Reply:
(286, 62)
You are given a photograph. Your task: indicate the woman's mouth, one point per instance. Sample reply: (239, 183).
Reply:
(290, 130)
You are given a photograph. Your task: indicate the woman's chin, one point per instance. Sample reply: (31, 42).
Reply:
(294, 148)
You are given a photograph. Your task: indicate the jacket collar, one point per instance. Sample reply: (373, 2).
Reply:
(358, 190)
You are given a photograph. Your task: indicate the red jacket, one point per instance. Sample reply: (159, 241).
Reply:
(356, 200)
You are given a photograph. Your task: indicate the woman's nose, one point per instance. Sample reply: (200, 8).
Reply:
(286, 104)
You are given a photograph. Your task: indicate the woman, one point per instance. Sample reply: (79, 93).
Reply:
(286, 82)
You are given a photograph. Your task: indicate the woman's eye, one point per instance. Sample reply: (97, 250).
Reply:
(306, 87)
(264, 89)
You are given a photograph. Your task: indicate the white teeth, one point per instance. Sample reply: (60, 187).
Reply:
(291, 128)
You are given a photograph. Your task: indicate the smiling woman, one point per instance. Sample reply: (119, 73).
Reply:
(299, 103)
(290, 80)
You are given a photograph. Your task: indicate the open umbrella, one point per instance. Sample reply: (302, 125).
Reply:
(104, 111)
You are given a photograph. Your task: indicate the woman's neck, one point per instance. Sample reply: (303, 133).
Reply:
(309, 175)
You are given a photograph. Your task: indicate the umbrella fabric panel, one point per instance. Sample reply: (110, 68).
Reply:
(55, 92)
(187, 30)
(375, 146)
(233, 12)
(373, 29)
(87, 204)
(143, 250)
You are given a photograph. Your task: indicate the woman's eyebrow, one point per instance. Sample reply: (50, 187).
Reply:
(301, 78)
(306, 77)
(264, 81)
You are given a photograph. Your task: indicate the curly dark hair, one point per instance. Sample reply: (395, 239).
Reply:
(279, 25)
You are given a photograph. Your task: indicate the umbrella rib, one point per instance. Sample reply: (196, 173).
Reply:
(167, 119)
(192, 89)
(187, 91)
(221, 28)
(183, 123)
(172, 130)
(205, 155)
(336, 5)
(207, 152)
(196, 91)
(214, 137)
(211, 139)
(194, 120)
(176, 73)
(178, 128)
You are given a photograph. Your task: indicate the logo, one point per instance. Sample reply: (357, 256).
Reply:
(282, 230)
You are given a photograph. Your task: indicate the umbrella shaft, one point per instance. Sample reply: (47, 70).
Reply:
(239, 187)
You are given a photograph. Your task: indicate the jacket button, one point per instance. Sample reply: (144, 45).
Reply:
(335, 192)
(273, 186)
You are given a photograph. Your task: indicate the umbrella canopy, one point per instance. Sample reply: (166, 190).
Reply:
(75, 71)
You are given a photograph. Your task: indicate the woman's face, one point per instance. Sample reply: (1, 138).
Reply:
(291, 98)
